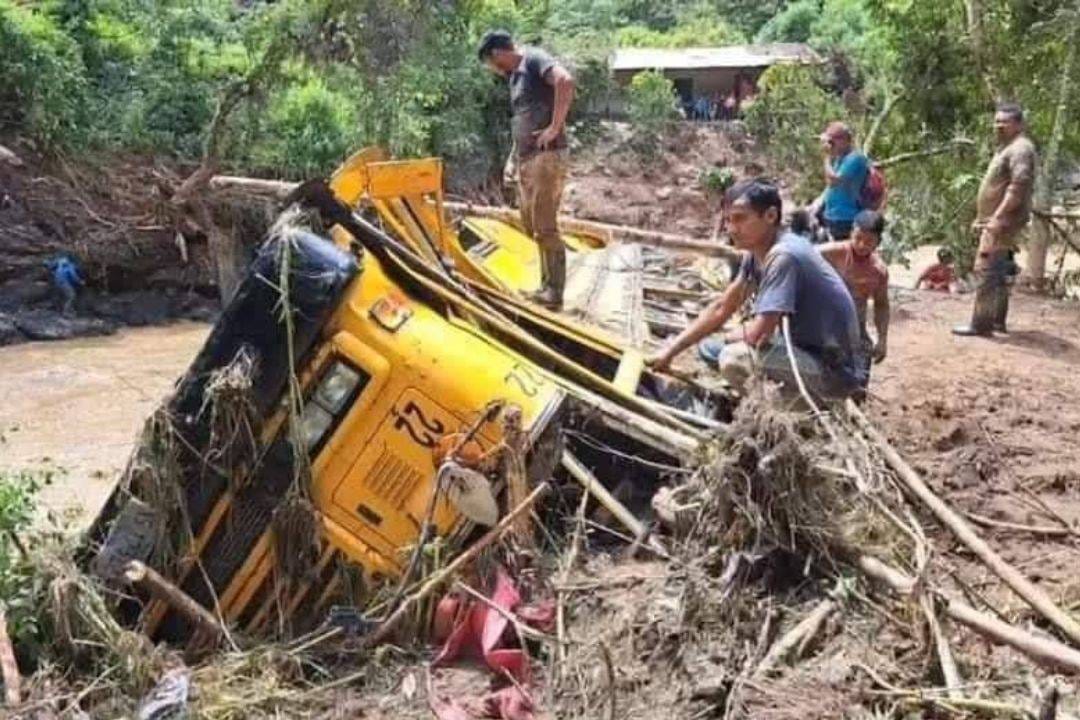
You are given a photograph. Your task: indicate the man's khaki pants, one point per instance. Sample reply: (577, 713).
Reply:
(541, 184)
(991, 280)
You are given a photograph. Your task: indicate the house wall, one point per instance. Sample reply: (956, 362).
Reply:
(704, 82)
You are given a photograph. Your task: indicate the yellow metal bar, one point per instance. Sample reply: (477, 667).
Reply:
(404, 177)
(628, 375)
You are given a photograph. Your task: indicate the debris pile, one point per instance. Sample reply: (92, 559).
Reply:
(764, 599)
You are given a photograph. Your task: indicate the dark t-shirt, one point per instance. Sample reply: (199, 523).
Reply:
(532, 101)
(796, 281)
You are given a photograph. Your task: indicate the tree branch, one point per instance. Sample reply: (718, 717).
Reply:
(952, 146)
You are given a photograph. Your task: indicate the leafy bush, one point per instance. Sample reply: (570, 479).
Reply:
(650, 105)
(309, 130)
(18, 505)
(787, 117)
(716, 180)
(651, 99)
(43, 81)
(793, 24)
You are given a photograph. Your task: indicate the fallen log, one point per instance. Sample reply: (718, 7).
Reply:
(8, 667)
(1045, 651)
(206, 625)
(387, 627)
(280, 189)
(1023, 587)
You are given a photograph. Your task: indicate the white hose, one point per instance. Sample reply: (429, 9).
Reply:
(785, 323)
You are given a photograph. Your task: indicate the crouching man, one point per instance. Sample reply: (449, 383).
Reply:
(787, 278)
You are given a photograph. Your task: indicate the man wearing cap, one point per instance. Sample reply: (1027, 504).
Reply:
(541, 91)
(846, 170)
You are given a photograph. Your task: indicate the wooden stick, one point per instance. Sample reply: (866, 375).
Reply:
(594, 487)
(1023, 587)
(520, 627)
(564, 577)
(953, 704)
(1045, 651)
(383, 632)
(606, 231)
(141, 575)
(277, 189)
(280, 190)
(8, 666)
(949, 670)
(1047, 530)
(793, 638)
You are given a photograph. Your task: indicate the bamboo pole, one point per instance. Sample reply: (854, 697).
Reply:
(279, 190)
(386, 628)
(1046, 651)
(146, 577)
(1023, 587)
(8, 667)
(797, 637)
(606, 231)
(594, 487)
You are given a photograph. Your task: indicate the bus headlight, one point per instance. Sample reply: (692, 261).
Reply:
(314, 423)
(336, 386)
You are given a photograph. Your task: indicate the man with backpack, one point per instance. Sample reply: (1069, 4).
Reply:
(852, 184)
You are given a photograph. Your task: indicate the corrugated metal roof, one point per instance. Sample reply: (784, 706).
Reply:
(732, 56)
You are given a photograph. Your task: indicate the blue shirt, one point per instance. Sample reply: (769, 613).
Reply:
(842, 199)
(796, 281)
(65, 273)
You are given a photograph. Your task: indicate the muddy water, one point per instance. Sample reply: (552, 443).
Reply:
(76, 406)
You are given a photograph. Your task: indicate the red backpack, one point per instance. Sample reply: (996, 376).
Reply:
(874, 190)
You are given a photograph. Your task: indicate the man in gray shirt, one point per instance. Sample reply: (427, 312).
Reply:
(541, 91)
(789, 280)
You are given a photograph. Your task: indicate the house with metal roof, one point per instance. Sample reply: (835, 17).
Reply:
(710, 73)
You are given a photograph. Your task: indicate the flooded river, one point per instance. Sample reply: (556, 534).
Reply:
(76, 406)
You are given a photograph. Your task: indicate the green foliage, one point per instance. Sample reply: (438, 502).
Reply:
(748, 15)
(43, 80)
(310, 129)
(651, 105)
(787, 118)
(651, 99)
(18, 506)
(793, 24)
(696, 26)
(716, 180)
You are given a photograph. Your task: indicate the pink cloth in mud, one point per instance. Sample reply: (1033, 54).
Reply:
(479, 632)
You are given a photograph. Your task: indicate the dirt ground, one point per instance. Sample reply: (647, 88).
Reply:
(992, 424)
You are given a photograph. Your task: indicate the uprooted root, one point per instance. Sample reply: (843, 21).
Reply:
(777, 483)
(295, 527)
(155, 476)
(233, 444)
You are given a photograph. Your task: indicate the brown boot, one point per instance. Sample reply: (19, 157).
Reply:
(553, 277)
(548, 297)
(988, 287)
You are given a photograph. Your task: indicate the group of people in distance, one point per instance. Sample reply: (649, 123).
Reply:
(807, 324)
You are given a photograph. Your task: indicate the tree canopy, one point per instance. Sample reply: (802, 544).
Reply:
(303, 82)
